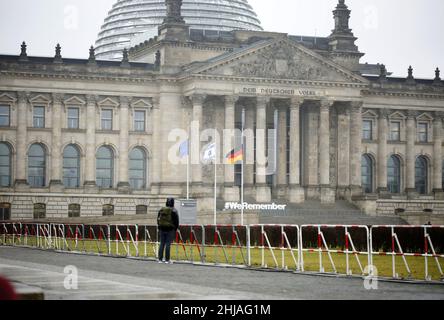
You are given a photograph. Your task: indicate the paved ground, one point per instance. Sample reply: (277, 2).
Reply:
(118, 278)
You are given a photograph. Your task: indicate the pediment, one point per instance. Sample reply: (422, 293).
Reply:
(108, 102)
(424, 117)
(397, 115)
(75, 101)
(369, 114)
(7, 98)
(279, 59)
(141, 103)
(40, 99)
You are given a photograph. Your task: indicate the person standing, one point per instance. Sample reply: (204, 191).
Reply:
(168, 223)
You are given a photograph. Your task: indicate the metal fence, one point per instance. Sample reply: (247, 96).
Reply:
(396, 252)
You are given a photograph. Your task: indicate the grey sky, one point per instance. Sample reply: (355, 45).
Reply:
(395, 32)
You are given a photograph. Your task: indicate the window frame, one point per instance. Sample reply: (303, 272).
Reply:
(144, 170)
(136, 121)
(419, 133)
(425, 183)
(37, 118)
(397, 175)
(399, 126)
(44, 178)
(369, 163)
(364, 131)
(69, 119)
(104, 121)
(111, 169)
(8, 115)
(9, 166)
(78, 168)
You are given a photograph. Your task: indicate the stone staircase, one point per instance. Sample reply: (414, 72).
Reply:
(313, 212)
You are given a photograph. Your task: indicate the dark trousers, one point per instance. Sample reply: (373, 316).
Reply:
(166, 237)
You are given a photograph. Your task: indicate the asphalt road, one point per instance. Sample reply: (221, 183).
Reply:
(120, 279)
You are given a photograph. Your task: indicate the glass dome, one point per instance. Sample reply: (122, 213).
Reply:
(130, 22)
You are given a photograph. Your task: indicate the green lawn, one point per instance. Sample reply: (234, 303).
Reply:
(238, 256)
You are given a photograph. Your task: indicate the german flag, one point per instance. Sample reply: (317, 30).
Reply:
(235, 155)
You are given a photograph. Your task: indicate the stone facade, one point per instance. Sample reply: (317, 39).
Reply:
(329, 117)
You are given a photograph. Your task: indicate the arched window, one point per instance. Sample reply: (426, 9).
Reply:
(421, 175)
(367, 173)
(105, 167)
(5, 165)
(137, 169)
(394, 175)
(71, 167)
(37, 166)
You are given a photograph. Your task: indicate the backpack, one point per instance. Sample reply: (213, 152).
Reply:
(165, 219)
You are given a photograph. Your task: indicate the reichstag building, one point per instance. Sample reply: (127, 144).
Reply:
(90, 137)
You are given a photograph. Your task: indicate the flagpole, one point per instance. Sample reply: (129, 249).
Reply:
(242, 171)
(215, 187)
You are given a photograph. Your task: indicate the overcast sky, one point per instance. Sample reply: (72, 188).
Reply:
(398, 33)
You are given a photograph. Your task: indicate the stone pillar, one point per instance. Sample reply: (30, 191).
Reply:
(263, 191)
(249, 151)
(90, 165)
(437, 156)
(22, 140)
(123, 185)
(231, 192)
(344, 168)
(356, 148)
(56, 184)
(411, 155)
(382, 152)
(197, 126)
(327, 194)
(282, 133)
(296, 192)
(157, 148)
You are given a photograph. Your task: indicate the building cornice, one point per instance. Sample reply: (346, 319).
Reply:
(398, 94)
(70, 76)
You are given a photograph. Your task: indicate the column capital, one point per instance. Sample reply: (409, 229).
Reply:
(232, 99)
(384, 113)
(439, 115)
(155, 101)
(23, 96)
(125, 101)
(411, 114)
(262, 101)
(198, 99)
(325, 105)
(296, 102)
(91, 99)
(57, 98)
(356, 106)
(186, 102)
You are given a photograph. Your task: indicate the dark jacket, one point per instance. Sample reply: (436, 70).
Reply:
(175, 216)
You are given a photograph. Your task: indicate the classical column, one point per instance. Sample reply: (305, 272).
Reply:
(382, 151)
(344, 164)
(249, 134)
(157, 148)
(327, 194)
(263, 192)
(123, 184)
(231, 192)
(437, 155)
(296, 193)
(56, 154)
(90, 166)
(410, 155)
(196, 129)
(356, 148)
(282, 133)
(22, 140)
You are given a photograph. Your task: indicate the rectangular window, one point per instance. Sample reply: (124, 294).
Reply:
(39, 117)
(139, 121)
(5, 118)
(73, 118)
(107, 119)
(395, 131)
(367, 130)
(423, 132)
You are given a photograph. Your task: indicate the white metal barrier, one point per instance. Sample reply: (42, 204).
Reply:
(348, 245)
(256, 245)
(398, 251)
